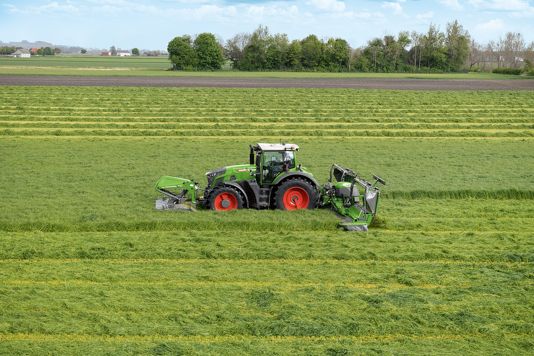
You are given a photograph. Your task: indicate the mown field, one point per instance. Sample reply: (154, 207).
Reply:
(88, 266)
(158, 66)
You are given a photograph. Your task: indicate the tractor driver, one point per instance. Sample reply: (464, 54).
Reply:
(278, 162)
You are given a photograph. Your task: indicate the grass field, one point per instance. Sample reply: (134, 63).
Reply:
(158, 66)
(88, 266)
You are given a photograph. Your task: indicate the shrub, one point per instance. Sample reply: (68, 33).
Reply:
(513, 71)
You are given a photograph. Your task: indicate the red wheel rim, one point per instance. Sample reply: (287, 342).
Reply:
(225, 201)
(296, 198)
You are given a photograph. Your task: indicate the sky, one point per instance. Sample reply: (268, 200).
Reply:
(152, 24)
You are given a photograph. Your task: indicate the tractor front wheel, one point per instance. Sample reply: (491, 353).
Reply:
(225, 198)
(295, 194)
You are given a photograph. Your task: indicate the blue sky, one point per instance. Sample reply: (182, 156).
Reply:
(151, 24)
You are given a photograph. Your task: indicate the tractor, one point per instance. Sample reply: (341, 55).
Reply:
(274, 179)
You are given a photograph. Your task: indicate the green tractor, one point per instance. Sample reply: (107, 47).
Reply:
(274, 179)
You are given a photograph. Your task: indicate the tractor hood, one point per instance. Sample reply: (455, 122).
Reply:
(233, 169)
(229, 173)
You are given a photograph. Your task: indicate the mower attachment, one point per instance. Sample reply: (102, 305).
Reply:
(180, 194)
(342, 194)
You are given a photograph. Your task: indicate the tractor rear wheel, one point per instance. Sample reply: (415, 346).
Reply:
(294, 194)
(224, 199)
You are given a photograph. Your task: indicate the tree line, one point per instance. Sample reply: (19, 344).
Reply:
(452, 50)
(43, 51)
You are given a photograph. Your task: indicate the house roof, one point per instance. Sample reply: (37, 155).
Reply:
(22, 51)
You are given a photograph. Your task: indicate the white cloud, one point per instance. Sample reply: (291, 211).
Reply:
(453, 4)
(50, 7)
(501, 5)
(491, 26)
(424, 17)
(396, 7)
(260, 11)
(363, 15)
(329, 5)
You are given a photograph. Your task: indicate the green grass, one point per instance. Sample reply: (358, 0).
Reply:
(158, 66)
(88, 266)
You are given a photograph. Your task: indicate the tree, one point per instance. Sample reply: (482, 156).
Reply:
(457, 42)
(293, 58)
(46, 51)
(416, 50)
(375, 50)
(208, 52)
(155, 53)
(276, 52)
(255, 52)
(7, 50)
(336, 55)
(312, 52)
(113, 50)
(512, 48)
(135, 51)
(234, 48)
(434, 51)
(57, 50)
(360, 63)
(403, 40)
(476, 55)
(83, 51)
(181, 53)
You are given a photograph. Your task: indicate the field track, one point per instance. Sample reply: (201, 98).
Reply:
(356, 83)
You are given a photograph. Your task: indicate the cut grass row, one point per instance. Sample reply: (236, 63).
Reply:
(265, 99)
(392, 247)
(239, 125)
(488, 216)
(454, 343)
(438, 132)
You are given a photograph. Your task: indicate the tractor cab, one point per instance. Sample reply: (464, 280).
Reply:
(271, 160)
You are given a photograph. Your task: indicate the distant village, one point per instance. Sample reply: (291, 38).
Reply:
(27, 49)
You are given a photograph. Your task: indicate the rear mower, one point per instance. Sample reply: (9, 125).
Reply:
(274, 179)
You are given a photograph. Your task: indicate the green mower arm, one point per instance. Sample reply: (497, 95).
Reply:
(178, 188)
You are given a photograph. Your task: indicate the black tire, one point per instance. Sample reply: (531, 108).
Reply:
(298, 184)
(219, 195)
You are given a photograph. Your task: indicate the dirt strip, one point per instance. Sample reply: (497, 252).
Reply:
(215, 82)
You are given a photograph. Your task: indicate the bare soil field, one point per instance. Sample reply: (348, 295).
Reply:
(357, 83)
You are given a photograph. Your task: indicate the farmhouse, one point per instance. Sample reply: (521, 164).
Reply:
(22, 53)
(123, 54)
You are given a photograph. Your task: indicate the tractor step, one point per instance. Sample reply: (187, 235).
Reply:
(263, 199)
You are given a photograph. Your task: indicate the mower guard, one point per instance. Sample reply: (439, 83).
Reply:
(357, 209)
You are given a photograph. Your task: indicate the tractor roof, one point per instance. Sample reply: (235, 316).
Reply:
(277, 147)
